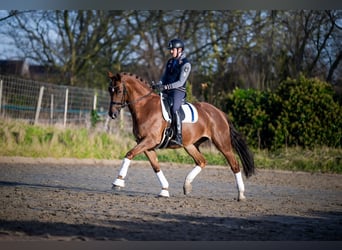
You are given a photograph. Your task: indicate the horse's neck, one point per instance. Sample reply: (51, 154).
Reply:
(136, 89)
(138, 98)
(141, 110)
(137, 95)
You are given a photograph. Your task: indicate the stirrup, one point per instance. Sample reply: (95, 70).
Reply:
(176, 142)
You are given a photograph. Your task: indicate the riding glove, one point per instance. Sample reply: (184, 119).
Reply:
(158, 86)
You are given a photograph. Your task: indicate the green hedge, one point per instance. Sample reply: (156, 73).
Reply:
(300, 112)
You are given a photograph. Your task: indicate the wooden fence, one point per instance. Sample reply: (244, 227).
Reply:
(40, 102)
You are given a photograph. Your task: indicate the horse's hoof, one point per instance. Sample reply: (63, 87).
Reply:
(241, 197)
(187, 188)
(116, 188)
(119, 183)
(164, 193)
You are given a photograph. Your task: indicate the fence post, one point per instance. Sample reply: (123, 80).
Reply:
(39, 104)
(95, 102)
(0, 95)
(106, 125)
(66, 106)
(51, 109)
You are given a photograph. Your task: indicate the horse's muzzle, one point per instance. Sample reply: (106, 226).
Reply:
(113, 115)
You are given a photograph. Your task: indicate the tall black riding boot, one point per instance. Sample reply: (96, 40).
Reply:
(178, 125)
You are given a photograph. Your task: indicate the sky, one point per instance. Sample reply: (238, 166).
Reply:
(7, 49)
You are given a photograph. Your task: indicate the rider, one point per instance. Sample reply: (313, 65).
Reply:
(173, 83)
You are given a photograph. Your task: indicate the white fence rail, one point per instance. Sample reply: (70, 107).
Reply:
(40, 102)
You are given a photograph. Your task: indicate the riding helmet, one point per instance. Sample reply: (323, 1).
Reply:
(175, 43)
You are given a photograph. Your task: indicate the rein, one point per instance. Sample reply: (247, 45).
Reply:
(124, 104)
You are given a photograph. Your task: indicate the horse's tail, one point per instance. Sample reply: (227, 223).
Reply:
(240, 146)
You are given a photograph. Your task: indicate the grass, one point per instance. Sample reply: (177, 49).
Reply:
(320, 159)
(17, 138)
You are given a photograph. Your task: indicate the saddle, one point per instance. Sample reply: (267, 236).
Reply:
(188, 114)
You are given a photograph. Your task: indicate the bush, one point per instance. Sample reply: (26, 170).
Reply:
(301, 112)
(254, 112)
(309, 115)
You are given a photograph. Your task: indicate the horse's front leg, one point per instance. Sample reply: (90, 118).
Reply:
(119, 182)
(152, 157)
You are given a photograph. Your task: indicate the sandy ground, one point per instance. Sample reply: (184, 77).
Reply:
(72, 200)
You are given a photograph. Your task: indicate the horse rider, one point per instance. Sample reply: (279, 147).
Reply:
(173, 83)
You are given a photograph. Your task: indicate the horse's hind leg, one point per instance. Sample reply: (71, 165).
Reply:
(234, 164)
(152, 157)
(200, 164)
(227, 150)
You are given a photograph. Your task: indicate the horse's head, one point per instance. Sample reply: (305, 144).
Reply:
(117, 92)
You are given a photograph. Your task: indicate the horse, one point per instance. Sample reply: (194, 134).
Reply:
(129, 90)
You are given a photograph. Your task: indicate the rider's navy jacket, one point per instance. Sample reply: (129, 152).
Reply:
(176, 73)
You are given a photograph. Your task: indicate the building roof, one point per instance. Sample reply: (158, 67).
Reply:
(14, 67)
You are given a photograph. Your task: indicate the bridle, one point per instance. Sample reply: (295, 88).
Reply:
(111, 91)
(124, 103)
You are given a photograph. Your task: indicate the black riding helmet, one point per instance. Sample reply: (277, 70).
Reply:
(175, 43)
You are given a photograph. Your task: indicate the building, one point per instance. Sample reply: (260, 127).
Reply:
(20, 68)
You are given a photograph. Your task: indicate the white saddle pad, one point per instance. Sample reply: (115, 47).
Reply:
(190, 112)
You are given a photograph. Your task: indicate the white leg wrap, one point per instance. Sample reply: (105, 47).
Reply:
(164, 193)
(119, 183)
(124, 167)
(239, 182)
(191, 176)
(123, 172)
(163, 182)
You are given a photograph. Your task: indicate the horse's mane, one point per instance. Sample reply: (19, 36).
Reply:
(143, 81)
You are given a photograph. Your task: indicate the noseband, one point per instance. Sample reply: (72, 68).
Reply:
(122, 103)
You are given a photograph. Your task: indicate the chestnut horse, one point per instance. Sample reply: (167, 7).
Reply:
(148, 126)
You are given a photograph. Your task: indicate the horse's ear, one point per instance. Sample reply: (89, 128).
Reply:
(118, 76)
(110, 74)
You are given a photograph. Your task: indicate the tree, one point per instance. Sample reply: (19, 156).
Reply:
(8, 15)
(312, 42)
(71, 42)
(228, 48)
